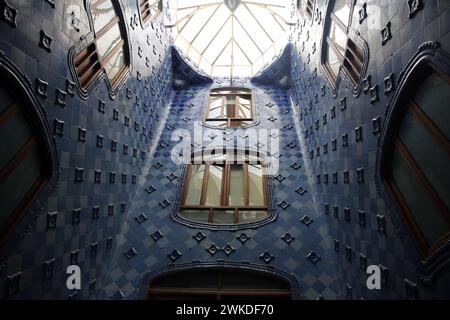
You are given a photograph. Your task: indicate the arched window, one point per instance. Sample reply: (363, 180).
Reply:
(218, 284)
(340, 49)
(149, 9)
(221, 190)
(230, 107)
(417, 171)
(24, 164)
(108, 51)
(306, 7)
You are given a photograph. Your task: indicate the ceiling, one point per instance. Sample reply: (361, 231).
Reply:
(230, 38)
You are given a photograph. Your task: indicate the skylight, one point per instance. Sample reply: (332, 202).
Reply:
(230, 38)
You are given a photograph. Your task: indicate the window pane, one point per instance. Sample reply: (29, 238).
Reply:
(244, 108)
(432, 159)
(236, 197)
(338, 36)
(114, 65)
(421, 206)
(255, 184)
(217, 123)
(217, 109)
(22, 133)
(433, 97)
(5, 99)
(333, 61)
(108, 41)
(102, 13)
(250, 216)
(250, 281)
(223, 217)
(196, 215)
(194, 192)
(18, 184)
(342, 11)
(214, 188)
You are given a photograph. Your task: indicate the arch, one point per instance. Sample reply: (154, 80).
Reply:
(353, 62)
(430, 59)
(88, 63)
(256, 214)
(288, 286)
(39, 147)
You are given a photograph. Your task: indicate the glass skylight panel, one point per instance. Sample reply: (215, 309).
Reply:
(229, 43)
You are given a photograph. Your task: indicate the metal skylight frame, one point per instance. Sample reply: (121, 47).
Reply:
(195, 19)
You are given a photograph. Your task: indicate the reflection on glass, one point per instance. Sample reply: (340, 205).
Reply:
(223, 217)
(433, 98)
(108, 41)
(339, 37)
(115, 64)
(430, 156)
(236, 185)
(16, 186)
(196, 215)
(342, 11)
(255, 184)
(333, 61)
(102, 13)
(11, 145)
(214, 188)
(195, 185)
(250, 216)
(419, 203)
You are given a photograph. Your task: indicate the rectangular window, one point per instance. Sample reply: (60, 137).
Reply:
(225, 194)
(230, 108)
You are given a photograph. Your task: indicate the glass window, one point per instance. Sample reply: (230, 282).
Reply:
(419, 175)
(230, 108)
(108, 51)
(218, 284)
(149, 9)
(22, 166)
(339, 49)
(225, 193)
(306, 7)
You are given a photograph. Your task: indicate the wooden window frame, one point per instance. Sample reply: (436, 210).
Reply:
(352, 61)
(145, 20)
(231, 120)
(36, 187)
(224, 205)
(218, 291)
(426, 250)
(83, 57)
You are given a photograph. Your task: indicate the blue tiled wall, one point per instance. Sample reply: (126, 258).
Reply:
(358, 243)
(310, 241)
(153, 241)
(32, 247)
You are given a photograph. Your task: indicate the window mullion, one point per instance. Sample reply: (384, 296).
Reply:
(110, 54)
(430, 126)
(246, 185)
(17, 159)
(204, 185)
(8, 113)
(106, 28)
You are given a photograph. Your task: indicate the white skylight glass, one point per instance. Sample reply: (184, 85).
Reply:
(230, 38)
